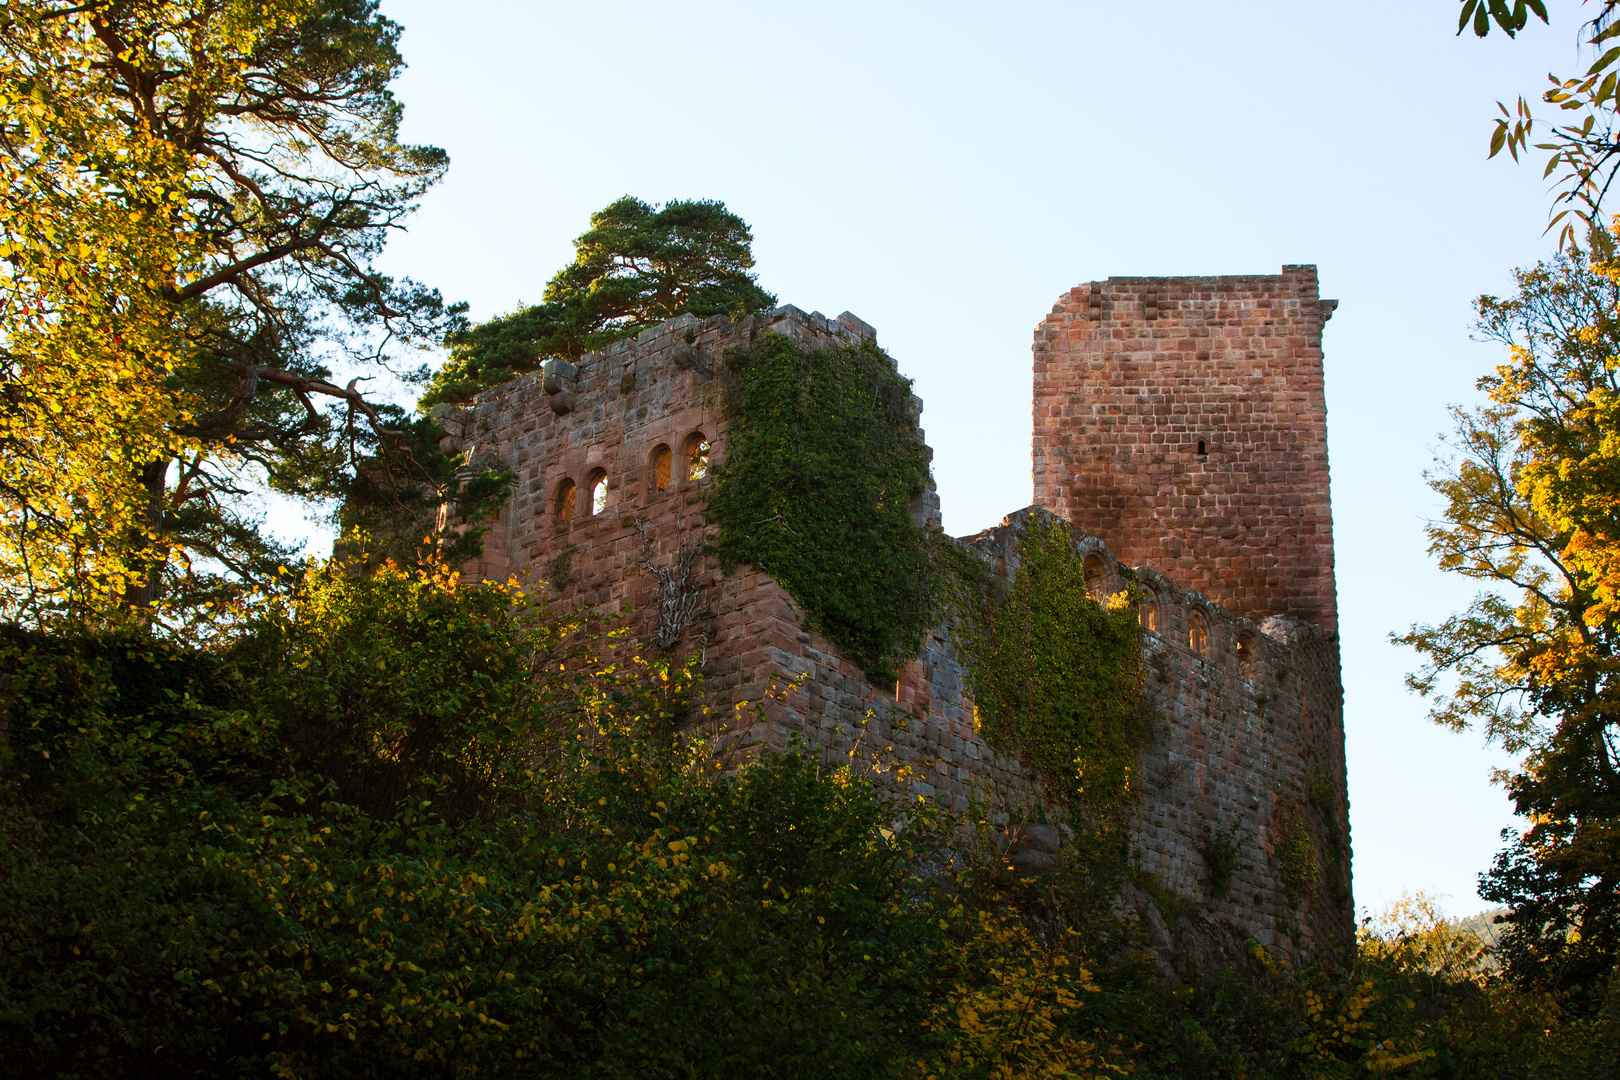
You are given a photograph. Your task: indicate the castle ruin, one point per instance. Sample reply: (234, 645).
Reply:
(1179, 426)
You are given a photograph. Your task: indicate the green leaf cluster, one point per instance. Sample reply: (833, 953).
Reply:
(1581, 153)
(1511, 20)
(823, 461)
(637, 266)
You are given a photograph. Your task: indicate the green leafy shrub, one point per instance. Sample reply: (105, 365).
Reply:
(512, 865)
(1383, 1012)
(405, 827)
(400, 686)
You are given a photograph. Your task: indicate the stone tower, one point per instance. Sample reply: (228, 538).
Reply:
(1182, 420)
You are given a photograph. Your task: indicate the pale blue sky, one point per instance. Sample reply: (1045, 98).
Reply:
(946, 170)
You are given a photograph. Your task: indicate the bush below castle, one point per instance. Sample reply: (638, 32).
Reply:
(401, 826)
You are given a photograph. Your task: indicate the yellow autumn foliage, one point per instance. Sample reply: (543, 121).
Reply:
(96, 233)
(1012, 1016)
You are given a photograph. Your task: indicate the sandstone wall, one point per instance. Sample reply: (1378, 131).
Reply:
(1240, 730)
(1183, 420)
(1248, 735)
(643, 552)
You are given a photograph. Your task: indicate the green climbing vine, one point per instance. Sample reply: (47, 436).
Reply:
(1324, 801)
(822, 464)
(1055, 675)
(1296, 853)
(1222, 850)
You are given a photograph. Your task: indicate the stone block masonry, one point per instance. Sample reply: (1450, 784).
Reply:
(1183, 420)
(613, 459)
(1247, 744)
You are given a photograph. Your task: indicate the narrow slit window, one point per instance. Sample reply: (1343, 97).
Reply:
(1096, 577)
(662, 465)
(697, 458)
(1245, 656)
(564, 503)
(1200, 447)
(1150, 613)
(599, 492)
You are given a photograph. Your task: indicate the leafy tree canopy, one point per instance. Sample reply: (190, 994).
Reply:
(637, 266)
(1531, 488)
(1584, 149)
(194, 194)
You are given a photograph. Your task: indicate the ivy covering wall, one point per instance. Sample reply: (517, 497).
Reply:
(823, 461)
(1296, 854)
(822, 465)
(1056, 675)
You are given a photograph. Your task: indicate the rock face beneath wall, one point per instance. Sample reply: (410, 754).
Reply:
(1241, 810)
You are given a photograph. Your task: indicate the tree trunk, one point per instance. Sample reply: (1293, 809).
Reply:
(149, 553)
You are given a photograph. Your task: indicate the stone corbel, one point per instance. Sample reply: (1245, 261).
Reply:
(453, 422)
(557, 378)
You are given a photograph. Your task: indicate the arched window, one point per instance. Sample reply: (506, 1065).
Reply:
(1096, 577)
(696, 456)
(1245, 655)
(659, 465)
(1198, 634)
(1148, 607)
(563, 504)
(598, 491)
